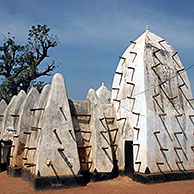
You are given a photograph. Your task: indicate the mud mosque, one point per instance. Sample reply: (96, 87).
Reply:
(143, 128)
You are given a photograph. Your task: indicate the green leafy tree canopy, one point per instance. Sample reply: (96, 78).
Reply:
(20, 64)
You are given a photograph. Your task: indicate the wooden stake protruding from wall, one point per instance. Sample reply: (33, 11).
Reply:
(179, 115)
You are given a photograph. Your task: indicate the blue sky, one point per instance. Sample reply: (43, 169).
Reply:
(93, 33)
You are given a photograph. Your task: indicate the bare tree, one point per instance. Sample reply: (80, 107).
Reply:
(19, 64)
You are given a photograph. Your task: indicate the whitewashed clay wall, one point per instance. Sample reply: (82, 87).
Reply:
(7, 114)
(104, 131)
(170, 108)
(35, 120)
(3, 106)
(4, 150)
(9, 124)
(11, 117)
(93, 137)
(56, 149)
(151, 92)
(81, 118)
(131, 110)
(45, 129)
(22, 128)
(100, 156)
(104, 94)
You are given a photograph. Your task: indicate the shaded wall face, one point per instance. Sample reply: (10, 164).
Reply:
(34, 126)
(57, 142)
(153, 101)
(81, 117)
(3, 107)
(129, 103)
(168, 108)
(23, 128)
(102, 150)
(6, 116)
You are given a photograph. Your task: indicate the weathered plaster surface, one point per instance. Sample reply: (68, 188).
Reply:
(129, 108)
(23, 128)
(49, 159)
(35, 129)
(101, 151)
(156, 113)
(104, 94)
(3, 106)
(12, 117)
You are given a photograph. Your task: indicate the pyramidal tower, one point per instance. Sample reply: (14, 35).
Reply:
(154, 108)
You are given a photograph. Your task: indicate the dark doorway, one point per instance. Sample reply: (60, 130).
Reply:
(129, 169)
(5, 150)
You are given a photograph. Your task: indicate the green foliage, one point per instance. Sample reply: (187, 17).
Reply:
(19, 64)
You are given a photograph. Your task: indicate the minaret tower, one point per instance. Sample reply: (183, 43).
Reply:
(154, 107)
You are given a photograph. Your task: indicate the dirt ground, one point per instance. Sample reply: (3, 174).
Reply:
(119, 185)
